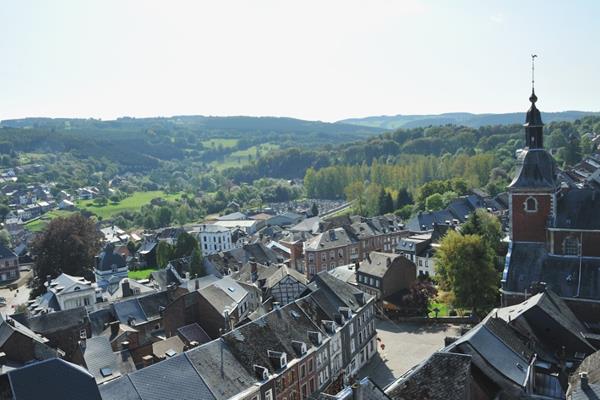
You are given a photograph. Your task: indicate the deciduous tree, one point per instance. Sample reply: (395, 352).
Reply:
(69, 245)
(465, 266)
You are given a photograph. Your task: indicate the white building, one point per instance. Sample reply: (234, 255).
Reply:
(72, 291)
(213, 238)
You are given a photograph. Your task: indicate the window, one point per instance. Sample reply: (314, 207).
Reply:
(351, 328)
(341, 253)
(304, 392)
(311, 257)
(352, 346)
(312, 385)
(324, 256)
(571, 246)
(269, 394)
(311, 366)
(377, 283)
(332, 254)
(531, 204)
(302, 371)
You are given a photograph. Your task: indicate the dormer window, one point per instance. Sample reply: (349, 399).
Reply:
(531, 205)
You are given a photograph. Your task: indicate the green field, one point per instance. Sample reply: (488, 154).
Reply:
(226, 143)
(140, 273)
(242, 157)
(39, 224)
(131, 203)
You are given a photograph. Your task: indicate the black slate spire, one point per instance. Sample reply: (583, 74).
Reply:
(534, 128)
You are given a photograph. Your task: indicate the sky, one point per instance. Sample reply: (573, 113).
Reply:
(312, 59)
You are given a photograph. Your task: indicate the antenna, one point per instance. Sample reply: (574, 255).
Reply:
(533, 57)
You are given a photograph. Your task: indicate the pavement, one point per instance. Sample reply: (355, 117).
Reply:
(14, 297)
(406, 345)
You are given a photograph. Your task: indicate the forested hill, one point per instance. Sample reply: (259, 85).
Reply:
(141, 143)
(465, 119)
(338, 132)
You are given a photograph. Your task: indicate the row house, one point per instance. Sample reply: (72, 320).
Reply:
(350, 244)
(311, 346)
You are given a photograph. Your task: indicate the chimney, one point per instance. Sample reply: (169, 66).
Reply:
(583, 378)
(388, 261)
(193, 344)
(357, 391)
(114, 328)
(126, 288)
(196, 284)
(368, 257)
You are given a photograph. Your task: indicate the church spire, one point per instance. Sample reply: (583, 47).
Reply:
(534, 128)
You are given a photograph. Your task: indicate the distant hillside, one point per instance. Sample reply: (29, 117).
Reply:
(237, 124)
(466, 119)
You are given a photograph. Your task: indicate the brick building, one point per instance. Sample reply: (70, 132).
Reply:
(554, 229)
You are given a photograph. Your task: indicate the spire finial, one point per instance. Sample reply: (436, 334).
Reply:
(533, 97)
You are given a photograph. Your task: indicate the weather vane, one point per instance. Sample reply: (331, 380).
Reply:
(533, 57)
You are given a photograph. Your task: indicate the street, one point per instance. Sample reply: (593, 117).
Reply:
(406, 345)
(14, 297)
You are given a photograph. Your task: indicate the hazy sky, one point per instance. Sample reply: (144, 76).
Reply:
(322, 59)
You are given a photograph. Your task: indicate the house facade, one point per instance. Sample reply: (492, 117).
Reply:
(9, 265)
(213, 238)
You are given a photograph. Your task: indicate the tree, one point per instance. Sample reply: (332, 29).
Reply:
(185, 245)
(69, 245)
(465, 267)
(389, 203)
(314, 210)
(164, 254)
(132, 247)
(355, 192)
(420, 293)
(196, 264)
(5, 238)
(164, 216)
(486, 225)
(434, 202)
(403, 198)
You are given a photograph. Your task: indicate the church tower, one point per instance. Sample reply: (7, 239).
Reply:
(532, 193)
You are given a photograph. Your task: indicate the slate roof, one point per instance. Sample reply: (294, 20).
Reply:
(5, 252)
(220, 370)
(274, 331)
(193, 333)
(497, 351)
(443, 376)
(377, 263)
(536, 170)
(578, 209)
(108, 257)
(330, 239)
(53, 379)
(308, 225)
(172, 344)
(119, 389)
(345, 273)
(527, 263)
(98, 356)
(57, 321)
(142, 309)
(172, 379)
(41, 350)
(348, 295)
(425, 221)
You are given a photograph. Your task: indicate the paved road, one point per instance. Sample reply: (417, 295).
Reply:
(406, 345)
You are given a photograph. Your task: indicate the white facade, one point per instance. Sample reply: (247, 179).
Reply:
(213, 239)
(72, 291)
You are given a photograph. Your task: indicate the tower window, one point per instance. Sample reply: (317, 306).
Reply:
(531, 204)
(571, 246)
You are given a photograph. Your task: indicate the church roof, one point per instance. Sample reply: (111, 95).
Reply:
(578, 209)
(537, 170)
